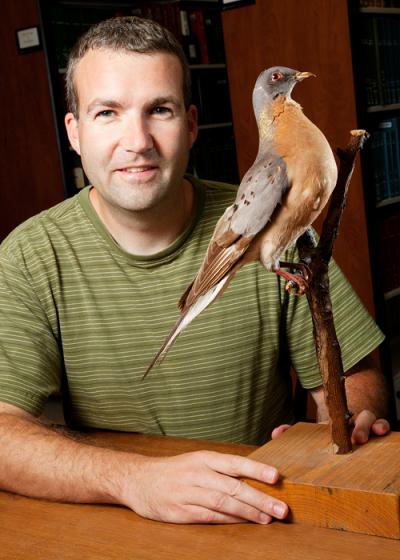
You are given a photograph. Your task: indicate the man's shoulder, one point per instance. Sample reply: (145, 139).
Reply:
(45, 225)
(219, 188)
(217, 194)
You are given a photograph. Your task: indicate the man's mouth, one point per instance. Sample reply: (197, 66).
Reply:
(140, 173)
(137, 169)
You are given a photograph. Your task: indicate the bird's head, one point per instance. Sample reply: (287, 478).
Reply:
(274, 82)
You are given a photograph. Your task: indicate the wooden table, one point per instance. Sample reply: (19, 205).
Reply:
(34, 529)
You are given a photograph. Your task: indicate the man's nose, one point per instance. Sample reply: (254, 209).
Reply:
(136, 135)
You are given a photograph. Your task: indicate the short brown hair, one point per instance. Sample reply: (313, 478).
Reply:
(131, 34)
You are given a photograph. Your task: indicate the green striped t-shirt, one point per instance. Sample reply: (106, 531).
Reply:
(79, 314)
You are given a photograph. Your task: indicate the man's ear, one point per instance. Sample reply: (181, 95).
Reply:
(71, 124)
(192, 124)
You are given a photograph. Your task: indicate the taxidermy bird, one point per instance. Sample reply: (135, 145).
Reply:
(279, 197)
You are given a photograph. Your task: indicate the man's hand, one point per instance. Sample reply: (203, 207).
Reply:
(363, 425)
(366, 424)
(200, 487)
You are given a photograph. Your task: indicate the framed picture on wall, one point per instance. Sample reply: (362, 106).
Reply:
(228, 4)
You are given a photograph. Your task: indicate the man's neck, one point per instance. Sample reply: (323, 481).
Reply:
(146, 233)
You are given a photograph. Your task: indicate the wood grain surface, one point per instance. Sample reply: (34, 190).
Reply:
(38, 529)
(359, 491)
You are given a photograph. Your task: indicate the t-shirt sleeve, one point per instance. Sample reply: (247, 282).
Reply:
(356, 331)
(30, 363)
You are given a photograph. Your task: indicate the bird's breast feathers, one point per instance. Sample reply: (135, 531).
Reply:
(308, 156)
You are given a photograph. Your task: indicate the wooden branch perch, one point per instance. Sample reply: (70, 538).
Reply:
(317, 258)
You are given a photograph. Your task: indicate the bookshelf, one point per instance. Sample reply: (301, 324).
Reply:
(375, 30)
(198, 26)
(29, 170)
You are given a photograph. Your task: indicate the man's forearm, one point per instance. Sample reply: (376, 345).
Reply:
(366, 389)
(198, 487)
(39, 462)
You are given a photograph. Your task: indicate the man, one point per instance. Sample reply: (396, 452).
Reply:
(89, 288)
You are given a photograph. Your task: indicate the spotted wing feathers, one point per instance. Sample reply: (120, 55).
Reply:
(260, 192)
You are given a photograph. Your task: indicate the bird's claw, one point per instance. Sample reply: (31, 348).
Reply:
(298, 280)
(298, 283)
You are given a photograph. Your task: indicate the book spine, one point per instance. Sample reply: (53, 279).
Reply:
(378, 59)
(396, 157)
(197, 26)
(377, 167)
(396, 57)
(385, 126)
(370, 68)
(189, 40)
(214, 36)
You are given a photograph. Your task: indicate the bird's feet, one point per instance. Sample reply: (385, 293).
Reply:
(298, 280)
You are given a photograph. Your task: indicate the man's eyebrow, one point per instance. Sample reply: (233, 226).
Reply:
(167, 99)
(99, 102)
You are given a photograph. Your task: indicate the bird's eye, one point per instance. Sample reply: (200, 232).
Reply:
(276, 76)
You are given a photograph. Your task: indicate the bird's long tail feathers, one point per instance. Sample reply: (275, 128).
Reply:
(186, 318)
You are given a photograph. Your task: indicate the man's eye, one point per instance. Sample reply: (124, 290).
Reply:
(105, 113)
(161, 111)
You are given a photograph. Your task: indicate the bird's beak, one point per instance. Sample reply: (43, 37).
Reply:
(299, 76)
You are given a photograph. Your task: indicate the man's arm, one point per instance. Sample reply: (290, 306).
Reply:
(367, 399)
(202, 486)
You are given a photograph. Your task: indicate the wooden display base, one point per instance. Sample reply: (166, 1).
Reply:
(357, 492)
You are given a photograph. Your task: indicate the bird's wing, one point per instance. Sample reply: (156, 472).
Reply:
(259, 193)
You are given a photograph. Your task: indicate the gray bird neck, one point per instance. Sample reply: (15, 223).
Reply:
(261, 102)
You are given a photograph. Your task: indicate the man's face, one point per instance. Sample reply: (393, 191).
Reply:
(133, 132)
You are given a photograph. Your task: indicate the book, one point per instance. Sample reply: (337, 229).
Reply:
(211, 95)
(395, 157)
(383, 76)
(214, 36)
(370, 56)
(389, 251)
(189, 40)
(376, 148)
(380, 45)
(197, 26)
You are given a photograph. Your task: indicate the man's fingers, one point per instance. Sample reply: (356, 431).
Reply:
(236, 491)
(237, 466)
(366, 423)
(205, 487)
(241, 507)
(381, 427)
(362, 426)
(233, 496)
(199, 514)
(278, 431)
